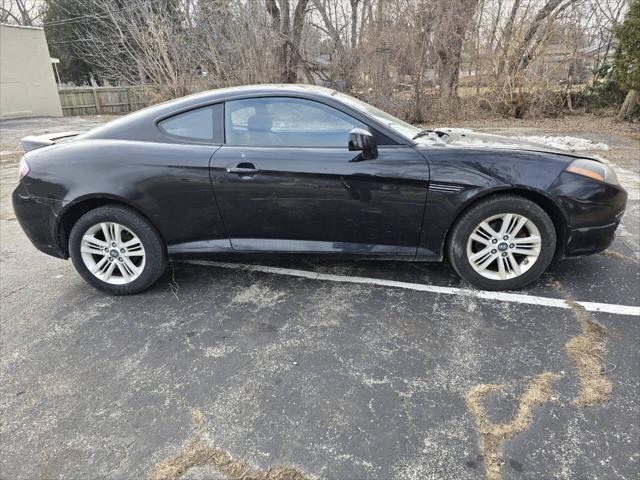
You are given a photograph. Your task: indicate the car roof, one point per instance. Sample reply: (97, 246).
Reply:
(275, 88)
(139, 124)
(240, 91)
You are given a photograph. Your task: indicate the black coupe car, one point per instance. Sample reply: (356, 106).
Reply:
(301, 169)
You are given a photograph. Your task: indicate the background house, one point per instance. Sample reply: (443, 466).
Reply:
(27, 83)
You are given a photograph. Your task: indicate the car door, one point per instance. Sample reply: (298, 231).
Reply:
(285, 181)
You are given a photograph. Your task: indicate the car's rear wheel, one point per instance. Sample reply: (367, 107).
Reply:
(502, 243)
(117, 250)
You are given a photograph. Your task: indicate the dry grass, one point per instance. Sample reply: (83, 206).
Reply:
(619, 256)
(587, 352)
(567, 124)
(197, 453)
(493, 436)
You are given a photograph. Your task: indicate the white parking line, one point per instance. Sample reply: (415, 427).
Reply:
(499, 296)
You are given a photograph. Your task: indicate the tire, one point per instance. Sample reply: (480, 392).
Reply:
(513, 266)
(137, 261)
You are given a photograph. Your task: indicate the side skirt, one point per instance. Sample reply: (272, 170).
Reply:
(246, 246)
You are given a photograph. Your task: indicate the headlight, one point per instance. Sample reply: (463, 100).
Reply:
(592, 169)
(23, 168)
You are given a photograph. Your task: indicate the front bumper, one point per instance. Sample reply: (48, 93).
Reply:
(593, 211)
(587, 241)
(38, 219)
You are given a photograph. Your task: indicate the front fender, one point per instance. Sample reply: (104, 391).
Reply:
(461, 177)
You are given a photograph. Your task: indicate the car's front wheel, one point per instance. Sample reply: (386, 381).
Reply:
(502, 243)
(117, 250)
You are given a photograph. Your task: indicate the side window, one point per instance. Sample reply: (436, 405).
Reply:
(204, 125)
(287, 122)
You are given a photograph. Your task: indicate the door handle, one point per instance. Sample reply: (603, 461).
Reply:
(243, 168)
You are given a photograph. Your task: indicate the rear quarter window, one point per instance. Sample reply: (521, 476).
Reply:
(203, 125)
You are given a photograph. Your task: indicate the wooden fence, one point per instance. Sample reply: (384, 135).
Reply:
(102, 100)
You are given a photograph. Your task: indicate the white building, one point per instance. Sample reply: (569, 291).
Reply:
(27, 84)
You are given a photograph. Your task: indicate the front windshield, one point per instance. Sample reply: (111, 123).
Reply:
(401, 127)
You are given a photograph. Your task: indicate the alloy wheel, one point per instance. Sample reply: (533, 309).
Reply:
(504, 246)
(113, 253)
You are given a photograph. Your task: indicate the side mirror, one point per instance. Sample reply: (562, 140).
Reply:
(361, 140)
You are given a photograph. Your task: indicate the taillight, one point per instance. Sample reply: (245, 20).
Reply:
(23, 169)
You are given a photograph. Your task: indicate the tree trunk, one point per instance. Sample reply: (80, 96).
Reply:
(494, 26)
(630, 103)
(354, 23)
(425, 22)
(24, 13)
(526, 51)
(505, 39)
(299, 16)
(289, 34)
(456, 17)
(274, 12)
(449, 74)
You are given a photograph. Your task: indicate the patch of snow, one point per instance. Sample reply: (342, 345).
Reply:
(218, 352)
(6, 153)
(457, 130)
(629, 180)
(602, 159)
(565, 143)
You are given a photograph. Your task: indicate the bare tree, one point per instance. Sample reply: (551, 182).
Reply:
(183, 47)
(424, 20)
(288, 30)
(412, 57)
(607, 16)
(20, 12)
(453, 20)
(354, 23)
(526, 49)
(503, 48)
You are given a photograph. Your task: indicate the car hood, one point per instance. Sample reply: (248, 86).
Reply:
(465, 138)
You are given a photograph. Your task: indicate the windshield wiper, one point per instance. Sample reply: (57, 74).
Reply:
(424, 133)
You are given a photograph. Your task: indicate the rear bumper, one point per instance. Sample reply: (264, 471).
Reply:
(38, 219)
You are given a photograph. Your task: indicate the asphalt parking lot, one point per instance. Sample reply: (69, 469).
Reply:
(297, 368)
